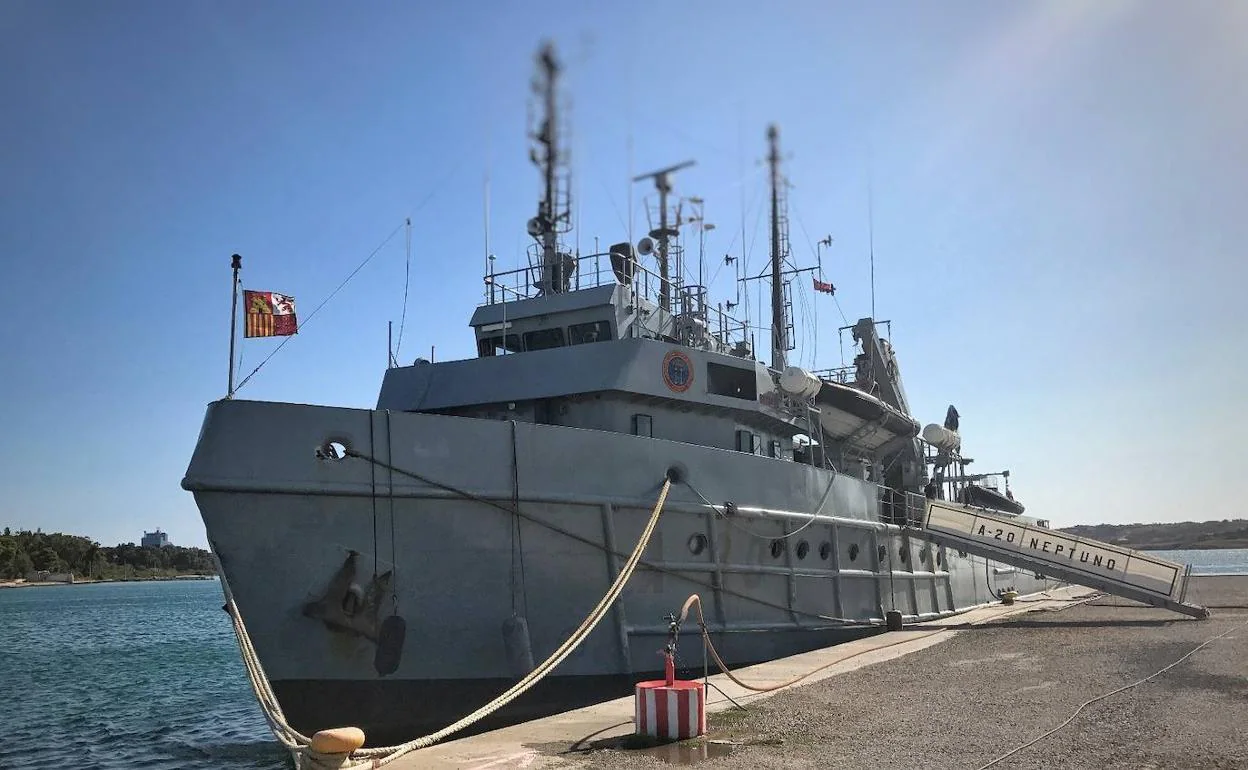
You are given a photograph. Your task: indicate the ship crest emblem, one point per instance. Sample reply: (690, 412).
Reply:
(677, 371)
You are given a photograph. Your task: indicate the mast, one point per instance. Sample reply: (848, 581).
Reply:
(664, 233)
(665, 285)
(779, 346)
(552, 213)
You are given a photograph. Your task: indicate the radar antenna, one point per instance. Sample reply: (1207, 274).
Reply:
(665, 232)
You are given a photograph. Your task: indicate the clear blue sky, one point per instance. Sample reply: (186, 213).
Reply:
(1059, 196)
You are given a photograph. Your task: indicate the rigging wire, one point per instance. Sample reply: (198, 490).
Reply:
(433, 191)
(317, 309)
(744, 216)
(407, 280)
(843, 318)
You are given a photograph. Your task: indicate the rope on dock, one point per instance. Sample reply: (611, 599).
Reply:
(695, 601)
(300, 745)
(1124, 688)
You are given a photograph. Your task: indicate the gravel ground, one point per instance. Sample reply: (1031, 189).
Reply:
(990, 688)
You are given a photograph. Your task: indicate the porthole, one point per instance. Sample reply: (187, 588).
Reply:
(882, 553)
(924, 556)
(825, 551)
(803, 548)
(940, 558)
(853, 552)
(697, 543)
(331, 450)
(903, 553)
(777, 548)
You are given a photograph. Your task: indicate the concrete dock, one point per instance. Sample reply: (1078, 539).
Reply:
(954, 693)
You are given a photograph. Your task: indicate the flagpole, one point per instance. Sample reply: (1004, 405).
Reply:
(236, 262)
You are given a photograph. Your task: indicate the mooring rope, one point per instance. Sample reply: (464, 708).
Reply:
(1103, 696)
(650, 565)
(299, 744)
(695, 600)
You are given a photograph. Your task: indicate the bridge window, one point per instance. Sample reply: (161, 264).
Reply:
(594, 331)
(543, 339)
(643, 425)
(731, 381)
(493, 346)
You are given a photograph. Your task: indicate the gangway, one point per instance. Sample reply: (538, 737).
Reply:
(1109, 568)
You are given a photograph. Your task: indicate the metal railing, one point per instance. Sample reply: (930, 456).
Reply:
(845, 375)
(587, 272)
(903, 509)
(696, 322)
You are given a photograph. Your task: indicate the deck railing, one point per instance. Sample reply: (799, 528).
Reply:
(695, 321)
(903, 509)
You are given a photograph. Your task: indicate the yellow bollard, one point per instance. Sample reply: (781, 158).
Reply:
(339, 740)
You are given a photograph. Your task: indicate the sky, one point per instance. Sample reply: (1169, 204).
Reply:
(1054, 194)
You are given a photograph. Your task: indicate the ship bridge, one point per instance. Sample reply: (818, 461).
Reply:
(1113, 569)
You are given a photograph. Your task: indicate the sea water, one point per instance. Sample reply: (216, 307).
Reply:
(126, 675)
(1217, 561)
(148, 675)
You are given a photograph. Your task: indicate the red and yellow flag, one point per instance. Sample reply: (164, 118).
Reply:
(269, 314)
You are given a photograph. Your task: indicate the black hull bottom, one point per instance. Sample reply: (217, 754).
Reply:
(393, 711)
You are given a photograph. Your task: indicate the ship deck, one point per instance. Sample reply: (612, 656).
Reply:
(993, 679)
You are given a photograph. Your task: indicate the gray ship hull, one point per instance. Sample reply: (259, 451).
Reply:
(429, 519)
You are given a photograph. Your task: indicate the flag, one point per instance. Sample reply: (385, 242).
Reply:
(826, 288)
(269, 314)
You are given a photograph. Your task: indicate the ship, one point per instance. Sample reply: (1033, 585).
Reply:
(398, 567)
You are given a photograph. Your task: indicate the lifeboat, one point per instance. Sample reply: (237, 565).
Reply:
(848, 414)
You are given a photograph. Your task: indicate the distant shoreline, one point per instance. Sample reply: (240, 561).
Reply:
(1172, 536)
(94, 581)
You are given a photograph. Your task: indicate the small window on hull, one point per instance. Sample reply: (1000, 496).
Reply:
(643, 425)
(747, 442)
(773, 448)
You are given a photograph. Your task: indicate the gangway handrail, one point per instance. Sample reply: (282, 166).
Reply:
(1110, 568)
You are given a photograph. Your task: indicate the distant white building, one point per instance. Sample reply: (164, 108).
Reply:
(155, 539)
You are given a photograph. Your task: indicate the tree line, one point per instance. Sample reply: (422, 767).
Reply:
(23, 552)
(1182, 535)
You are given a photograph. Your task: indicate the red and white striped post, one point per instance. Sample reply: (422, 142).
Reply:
(669, 709)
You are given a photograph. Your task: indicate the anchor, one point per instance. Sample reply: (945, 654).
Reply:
(347, 606)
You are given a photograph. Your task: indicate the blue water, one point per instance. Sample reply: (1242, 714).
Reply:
(126, 675)
(1225, 561)
(147, 675)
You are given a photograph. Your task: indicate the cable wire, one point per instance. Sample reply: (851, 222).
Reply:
(317, 309)
(407, 281)
(1124, 688)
